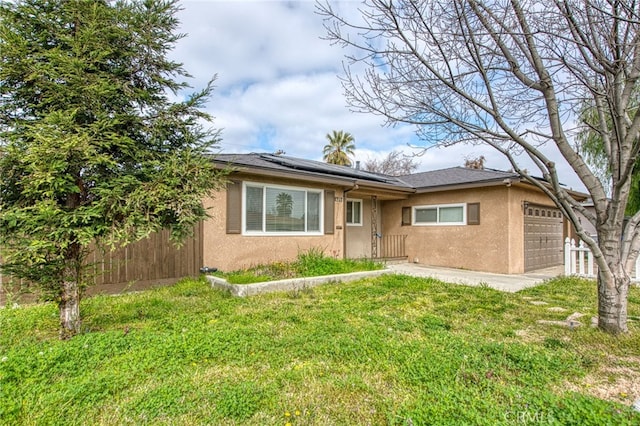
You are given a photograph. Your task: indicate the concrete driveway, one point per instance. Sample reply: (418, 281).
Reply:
(502, 282)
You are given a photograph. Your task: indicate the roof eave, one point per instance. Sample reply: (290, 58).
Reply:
(298, 175)
(315, 177)
(577, 195)
(468, 185)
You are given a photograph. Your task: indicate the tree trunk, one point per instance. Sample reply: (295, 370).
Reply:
(612, 300)
(69, 309)
(70, 292)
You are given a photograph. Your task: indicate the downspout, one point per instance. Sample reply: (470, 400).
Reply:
(509, 228)
(510, 218)
(344, 217)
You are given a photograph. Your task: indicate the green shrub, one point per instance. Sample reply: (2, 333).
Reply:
(310, 263)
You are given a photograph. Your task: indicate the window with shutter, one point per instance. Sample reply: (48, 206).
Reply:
(443, 214)
(281, 210)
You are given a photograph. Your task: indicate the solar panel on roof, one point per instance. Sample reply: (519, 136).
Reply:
(315, 166)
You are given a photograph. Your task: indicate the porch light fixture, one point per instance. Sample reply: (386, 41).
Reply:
(525, 205)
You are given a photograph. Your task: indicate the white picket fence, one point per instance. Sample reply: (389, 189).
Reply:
(578, 260)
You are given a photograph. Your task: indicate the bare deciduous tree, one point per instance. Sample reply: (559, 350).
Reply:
(514, 75)
(394, 164)
(475, 163)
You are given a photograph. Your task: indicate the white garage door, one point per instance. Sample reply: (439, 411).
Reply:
(542, 237)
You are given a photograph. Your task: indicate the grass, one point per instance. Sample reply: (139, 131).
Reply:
(387, 350)
(311, 263)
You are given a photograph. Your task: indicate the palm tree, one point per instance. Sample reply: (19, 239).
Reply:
(339, 148)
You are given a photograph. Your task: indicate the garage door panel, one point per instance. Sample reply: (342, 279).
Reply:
(542, 238)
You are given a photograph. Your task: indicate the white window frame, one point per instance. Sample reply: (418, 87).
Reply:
(264, 187)
(354, 200)
(438, 207)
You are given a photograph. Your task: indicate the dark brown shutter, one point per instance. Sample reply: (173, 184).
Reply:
(473, 214)
(234, 207)
(406, 216)
(329, 207)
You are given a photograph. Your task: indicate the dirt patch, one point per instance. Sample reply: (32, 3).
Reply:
(530, 335)
(617, 379)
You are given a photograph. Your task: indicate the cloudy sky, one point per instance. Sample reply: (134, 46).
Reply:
(278, 87)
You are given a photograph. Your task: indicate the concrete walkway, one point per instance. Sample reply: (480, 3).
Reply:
(502, 282)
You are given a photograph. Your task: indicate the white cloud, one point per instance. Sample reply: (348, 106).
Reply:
(253, 41)
(278, 85)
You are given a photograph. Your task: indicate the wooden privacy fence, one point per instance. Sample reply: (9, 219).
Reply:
(578, 260)
(150, 262)
(154, 259)
(392, 246)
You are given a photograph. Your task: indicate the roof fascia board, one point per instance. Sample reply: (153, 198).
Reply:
(441, 188)
(385, 186)
(575, 194)
(380, 193)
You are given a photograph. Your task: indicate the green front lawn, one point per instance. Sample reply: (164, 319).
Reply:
(388, 350)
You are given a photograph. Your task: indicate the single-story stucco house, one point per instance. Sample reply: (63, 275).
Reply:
(276, 206)
(479, 219)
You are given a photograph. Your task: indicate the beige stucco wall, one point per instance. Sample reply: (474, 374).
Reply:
(235, 251)
(495, 245)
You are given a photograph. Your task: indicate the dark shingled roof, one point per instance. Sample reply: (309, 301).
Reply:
(426, 180)
(292, 164)
(455, 176)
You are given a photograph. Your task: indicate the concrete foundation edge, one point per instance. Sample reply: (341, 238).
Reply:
(243, 290)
